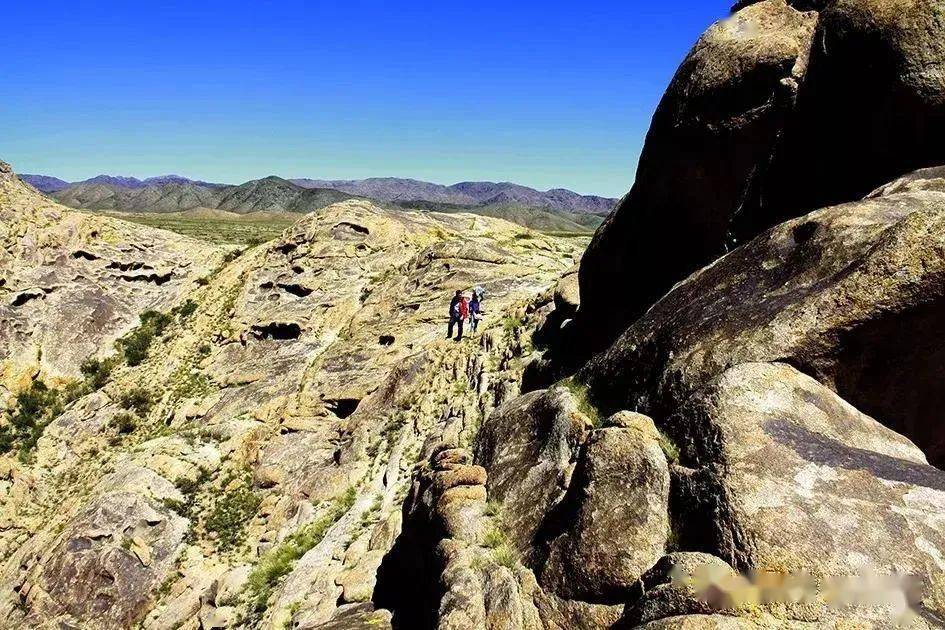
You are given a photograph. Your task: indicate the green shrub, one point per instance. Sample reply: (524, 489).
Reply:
(505, 556)
(97, 371)
(511, 324)
(494, 538)
(230, 512)
(134, 346)
(137, 399)
(582, 397)
(670, 450)
(189, 488)
(279, 561)
(124, 422)
(33, 410)
(185, 310)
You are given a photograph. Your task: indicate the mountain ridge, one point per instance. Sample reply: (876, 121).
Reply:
(387, 189)
(465, 193)
(274, 194)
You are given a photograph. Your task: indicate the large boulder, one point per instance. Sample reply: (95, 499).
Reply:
(107, 563)
(614, 523)
(804, 484)
(776, 111)
(853, 295)
(529, 447)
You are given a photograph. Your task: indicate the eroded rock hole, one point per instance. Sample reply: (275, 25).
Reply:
(127, 266)
(346, 231)
(277, 331)
(893, 369)
(342, 407)
(154, 278)
(26, 296)
(386, 340)
(84, 255)
(804, 232)
(296, 289)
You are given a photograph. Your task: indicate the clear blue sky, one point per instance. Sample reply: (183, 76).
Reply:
(542, 93)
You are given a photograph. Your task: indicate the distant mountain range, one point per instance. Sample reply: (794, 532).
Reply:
(557, 209)
(465, 193)
(48, 184)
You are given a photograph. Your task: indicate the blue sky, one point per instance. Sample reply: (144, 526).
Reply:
(546, 94)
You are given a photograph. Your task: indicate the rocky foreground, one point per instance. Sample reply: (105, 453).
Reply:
(198, 437)
(730, 418)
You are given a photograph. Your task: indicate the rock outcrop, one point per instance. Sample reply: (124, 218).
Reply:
(72, 283)
(787, 471)
(780, 109)
(850, 295)
(246, 466)
(748, 435)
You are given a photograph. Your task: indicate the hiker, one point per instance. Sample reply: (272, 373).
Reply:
(459, 311)
(475, 311)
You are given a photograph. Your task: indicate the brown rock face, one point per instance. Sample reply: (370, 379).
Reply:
(781, 443)
(776, 111)
(107, 563)
(851, 294)
(529, 448)
(615, 520)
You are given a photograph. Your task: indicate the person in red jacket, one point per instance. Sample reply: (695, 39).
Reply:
(459, 311)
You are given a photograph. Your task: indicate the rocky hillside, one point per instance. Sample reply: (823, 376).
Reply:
(726, 417)
(200, 438)
(756, 441)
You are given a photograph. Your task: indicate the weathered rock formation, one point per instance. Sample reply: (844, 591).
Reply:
(780, 109)
(748, 440)
(247, 468)
(781, 476)
(72, 283)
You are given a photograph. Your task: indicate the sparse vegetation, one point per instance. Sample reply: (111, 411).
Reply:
(505, 556)
(494, 538)
(502, 550)
(187, 381)
(124, 423)
(189, 489)
(236, 231)
(276, 564)
(231, 509)
(32, 411)
(185, 310)
(134, 346)
(582, 397)
(137, 399)
(670, 449)
(511, 324)
(97, 371)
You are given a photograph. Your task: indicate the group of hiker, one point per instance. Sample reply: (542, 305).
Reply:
(464, 309)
